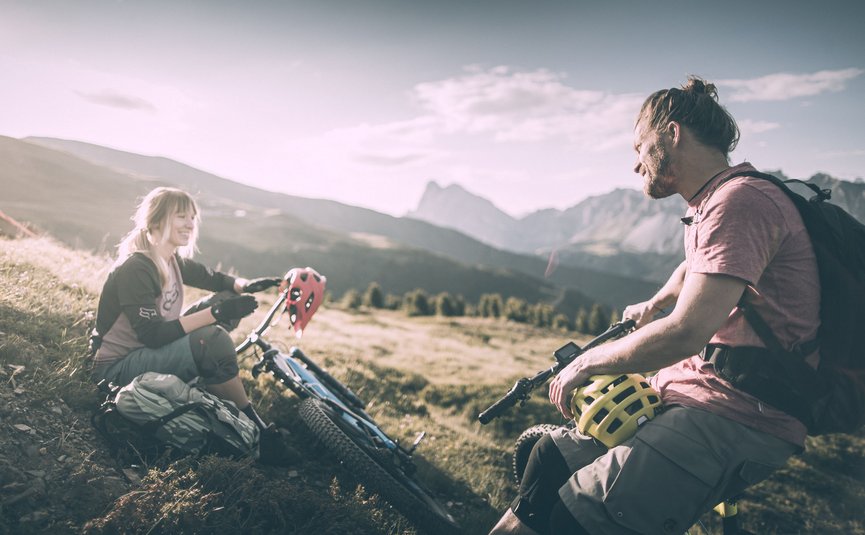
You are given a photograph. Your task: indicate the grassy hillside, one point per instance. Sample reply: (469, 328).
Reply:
(416, 373)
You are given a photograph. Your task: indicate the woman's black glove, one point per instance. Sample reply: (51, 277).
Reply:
(263, 283)
(234, 308)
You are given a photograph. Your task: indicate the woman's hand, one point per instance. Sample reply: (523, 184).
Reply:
(568, 380)
(234, 308)
(260, 284)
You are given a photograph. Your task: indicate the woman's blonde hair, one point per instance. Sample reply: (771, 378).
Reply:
(153, 220)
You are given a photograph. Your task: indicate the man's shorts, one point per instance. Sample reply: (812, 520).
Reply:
(174, 358)
(678, 466)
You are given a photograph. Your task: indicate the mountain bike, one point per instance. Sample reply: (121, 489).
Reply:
(521, 391)
(337, 417)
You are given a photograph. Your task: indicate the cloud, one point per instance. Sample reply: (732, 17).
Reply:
(750, 126)
(388, 160)
(529, 106)
(841, 153)
(785, 86)
(115, 99)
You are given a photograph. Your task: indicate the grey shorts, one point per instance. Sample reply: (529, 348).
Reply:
(677, 466)
(174, 358)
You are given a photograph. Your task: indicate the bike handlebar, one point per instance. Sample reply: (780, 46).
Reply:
(510, 399)
(564, 356)
(265, 323)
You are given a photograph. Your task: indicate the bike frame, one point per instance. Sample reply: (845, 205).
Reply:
(306, 379)
(564, 355)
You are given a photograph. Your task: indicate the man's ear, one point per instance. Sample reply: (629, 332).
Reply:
(674, 130)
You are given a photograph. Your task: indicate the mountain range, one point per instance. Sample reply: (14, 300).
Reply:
(622, 232)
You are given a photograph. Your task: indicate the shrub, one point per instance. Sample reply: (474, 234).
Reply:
(541, 314)
(373, 296)
(561, 323)
(581, 321)
(351, 299)
(416, 303)
(392, 302)
(598, 320)
(516, 309)
(490, 306)
(445, 305)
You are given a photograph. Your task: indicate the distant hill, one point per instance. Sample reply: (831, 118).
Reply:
(613, 290)
(621, 232)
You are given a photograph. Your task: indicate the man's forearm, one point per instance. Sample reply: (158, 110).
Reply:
(669, 292)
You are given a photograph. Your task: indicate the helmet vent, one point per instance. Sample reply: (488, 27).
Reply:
(309, 301)
(634, 407)
(624, 394)
(615, 424)
(601, 414)
(653, 399)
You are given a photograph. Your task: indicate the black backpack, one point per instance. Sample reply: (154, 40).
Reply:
(830, 399)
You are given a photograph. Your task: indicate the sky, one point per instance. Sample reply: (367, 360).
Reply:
(530, 104)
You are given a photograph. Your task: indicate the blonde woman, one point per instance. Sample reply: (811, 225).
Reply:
(139, 324)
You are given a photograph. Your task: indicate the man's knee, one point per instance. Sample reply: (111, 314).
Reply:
(213, 353)
(546, 471)
(562, 522)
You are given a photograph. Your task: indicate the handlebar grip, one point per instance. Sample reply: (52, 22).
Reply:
(497, 408)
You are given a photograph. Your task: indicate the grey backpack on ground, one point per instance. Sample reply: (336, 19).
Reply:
(186, 418)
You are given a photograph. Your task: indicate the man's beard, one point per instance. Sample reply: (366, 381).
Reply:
(659, 181)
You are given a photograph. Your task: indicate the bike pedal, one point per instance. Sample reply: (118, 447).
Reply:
(417, 442)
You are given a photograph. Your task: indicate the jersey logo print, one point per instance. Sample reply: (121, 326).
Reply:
(147, 313)
(170, 297)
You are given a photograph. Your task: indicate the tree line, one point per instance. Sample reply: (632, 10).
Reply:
(491, 305)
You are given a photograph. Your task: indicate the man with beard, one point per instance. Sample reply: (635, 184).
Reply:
(744, 240)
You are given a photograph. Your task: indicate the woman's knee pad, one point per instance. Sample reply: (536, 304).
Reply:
(213, 353)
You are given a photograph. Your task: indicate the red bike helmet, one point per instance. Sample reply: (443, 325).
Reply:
(305, 289)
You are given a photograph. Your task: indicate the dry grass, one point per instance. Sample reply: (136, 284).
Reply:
(432, 374)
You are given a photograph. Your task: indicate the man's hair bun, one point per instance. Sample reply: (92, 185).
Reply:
(698, 86)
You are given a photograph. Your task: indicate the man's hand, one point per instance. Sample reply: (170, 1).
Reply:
(568, 380)
(642, 313)
(260, 284)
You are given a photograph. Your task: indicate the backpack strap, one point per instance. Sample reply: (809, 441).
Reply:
(152, 426)
(768, 337)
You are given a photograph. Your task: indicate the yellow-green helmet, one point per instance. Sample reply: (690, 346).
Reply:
(610, 408)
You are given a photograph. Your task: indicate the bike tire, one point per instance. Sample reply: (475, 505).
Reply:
(523, 447)
(354, 449)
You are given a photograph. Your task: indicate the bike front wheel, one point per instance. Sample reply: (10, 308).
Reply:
(374, 466)
(523, 447)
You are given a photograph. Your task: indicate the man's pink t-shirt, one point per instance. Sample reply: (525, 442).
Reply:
(749, 229)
